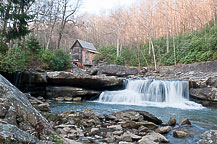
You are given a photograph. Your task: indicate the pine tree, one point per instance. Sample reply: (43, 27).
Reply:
(15, 17)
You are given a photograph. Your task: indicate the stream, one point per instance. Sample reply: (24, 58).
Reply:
(161, 98)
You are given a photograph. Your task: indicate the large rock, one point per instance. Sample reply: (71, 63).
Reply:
(180, 134)
(185, 121)
(172, 121)
(153, 138)
(207, 93)
(117, 70)
(99, 82)
(212, 81)
(44, 107)
(163, 130)
(209, 137)
(70, 92)
(135, 115)
(20, 110)
(12, 134)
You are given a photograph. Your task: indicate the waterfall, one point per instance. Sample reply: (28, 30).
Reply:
(150, 92)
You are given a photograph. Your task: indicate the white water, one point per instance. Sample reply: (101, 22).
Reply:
(149, 92)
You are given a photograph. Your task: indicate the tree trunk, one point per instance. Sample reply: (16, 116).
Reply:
(168, 42)
(118, 45)
(153, 51)
(174, 47)
(51, 33)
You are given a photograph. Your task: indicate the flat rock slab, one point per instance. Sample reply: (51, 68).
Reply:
(117, 70)
(99, 82)
(127, 114)
(70, 92)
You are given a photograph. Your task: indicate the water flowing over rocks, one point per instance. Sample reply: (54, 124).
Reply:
(202, 79)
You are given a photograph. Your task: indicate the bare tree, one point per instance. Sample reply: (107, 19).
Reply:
(68, 10)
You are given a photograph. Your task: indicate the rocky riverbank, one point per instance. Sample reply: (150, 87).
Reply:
(88, 85)
(20, 122)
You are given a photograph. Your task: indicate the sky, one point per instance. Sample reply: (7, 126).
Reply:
(97, 6)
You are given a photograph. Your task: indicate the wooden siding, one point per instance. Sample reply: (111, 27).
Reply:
(76, 52)
(83, 55)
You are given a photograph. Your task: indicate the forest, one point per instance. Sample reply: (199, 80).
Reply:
(148, 33)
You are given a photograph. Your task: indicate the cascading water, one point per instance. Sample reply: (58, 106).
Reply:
(150, 92)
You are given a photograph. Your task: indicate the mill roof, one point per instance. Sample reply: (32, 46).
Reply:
(86, 45)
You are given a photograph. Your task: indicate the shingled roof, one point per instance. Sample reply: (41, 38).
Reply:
(86, 45)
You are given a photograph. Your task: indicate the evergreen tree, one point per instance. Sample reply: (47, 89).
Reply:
(15, 17)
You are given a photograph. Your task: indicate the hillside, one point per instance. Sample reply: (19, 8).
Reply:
(197, 46)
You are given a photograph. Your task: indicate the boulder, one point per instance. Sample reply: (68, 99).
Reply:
(77, 99)
(117, 132)
(212, 81)
(143, 129)
(116, 70)
(163, 130)
(12, 134)
(133, 136)
(209, 137)
(94, 131)
(70, 92)
(207, 93)
(115, 127)
(130, 125)
(149, 125)
(172, 121)
(180, 134)
(136, 115)
(68, 98)
(126, 137)
(185, 122)
(99, 82)
(109, 117)
(59, 99)
(19, 109)
(153, 138)
(44, 107)
(109, 140)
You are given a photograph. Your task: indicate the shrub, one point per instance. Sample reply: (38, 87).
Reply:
(56, 60)
(33, 46)
(15, 60)
(119, 60)
(3, 48)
